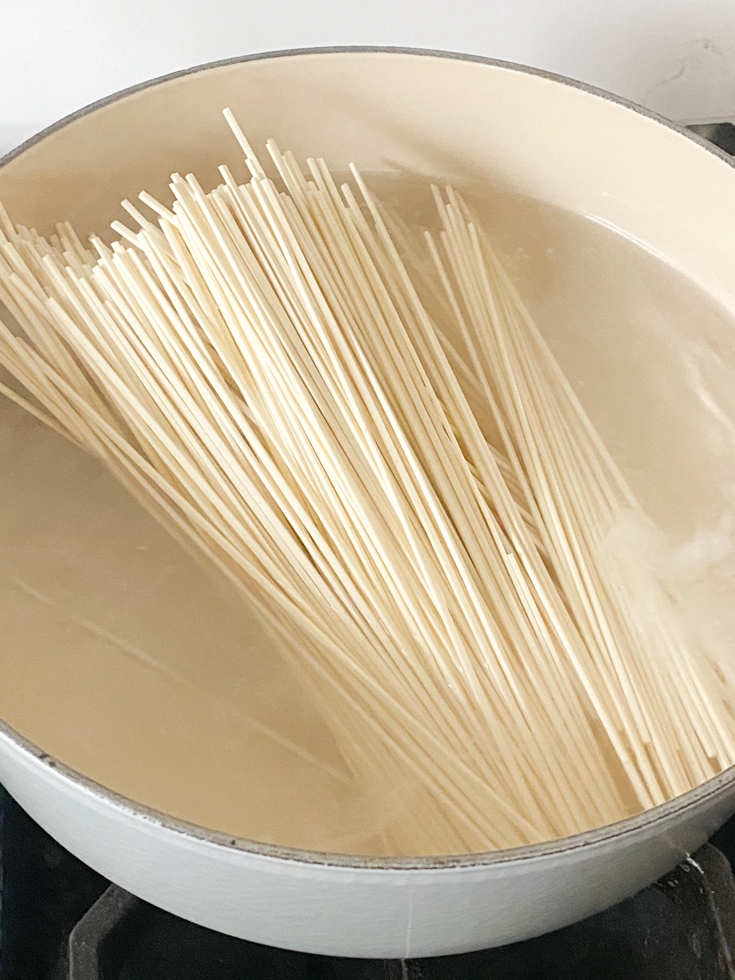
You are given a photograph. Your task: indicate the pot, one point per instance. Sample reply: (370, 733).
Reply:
(464, 118)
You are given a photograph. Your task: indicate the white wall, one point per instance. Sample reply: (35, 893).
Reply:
(675, 56)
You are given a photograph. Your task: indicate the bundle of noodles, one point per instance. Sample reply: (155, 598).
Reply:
(257, 366)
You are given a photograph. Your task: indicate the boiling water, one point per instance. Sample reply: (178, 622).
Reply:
(125, 659)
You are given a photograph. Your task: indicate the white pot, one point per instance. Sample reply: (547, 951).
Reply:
(461, 117)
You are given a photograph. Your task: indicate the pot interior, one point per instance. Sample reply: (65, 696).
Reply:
(127, 660)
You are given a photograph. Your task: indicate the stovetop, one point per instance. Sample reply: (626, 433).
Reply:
(59, 920)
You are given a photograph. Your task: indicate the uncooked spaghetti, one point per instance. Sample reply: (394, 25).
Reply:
(257, 366)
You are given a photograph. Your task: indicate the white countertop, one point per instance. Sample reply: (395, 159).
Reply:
(675, 56)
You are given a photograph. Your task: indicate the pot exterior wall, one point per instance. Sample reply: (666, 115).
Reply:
(350, 911)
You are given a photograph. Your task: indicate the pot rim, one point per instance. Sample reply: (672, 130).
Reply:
(622, 828)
